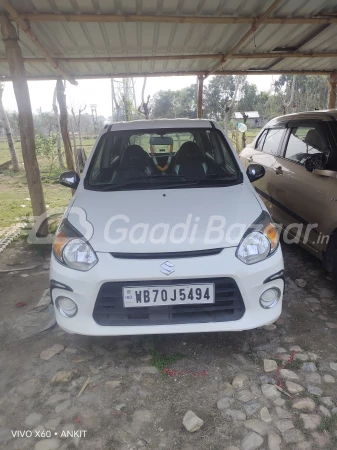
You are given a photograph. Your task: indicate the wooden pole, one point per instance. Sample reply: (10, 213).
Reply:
(21, 91)
(61, 98)
(332, 91)
(200, 92)
(25, 26)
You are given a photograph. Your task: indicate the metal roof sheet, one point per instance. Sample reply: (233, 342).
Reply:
(122, 39)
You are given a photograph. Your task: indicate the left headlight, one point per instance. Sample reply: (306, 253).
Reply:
(72, 250)
(260, 241)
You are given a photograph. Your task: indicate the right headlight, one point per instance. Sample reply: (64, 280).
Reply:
(260, 241)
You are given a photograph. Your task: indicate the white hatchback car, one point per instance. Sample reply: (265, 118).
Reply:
(165, 234)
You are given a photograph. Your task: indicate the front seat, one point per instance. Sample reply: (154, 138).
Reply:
(314, 140)
(190, 162)
(135, 163)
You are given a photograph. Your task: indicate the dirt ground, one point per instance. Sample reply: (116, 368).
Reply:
(130, 404)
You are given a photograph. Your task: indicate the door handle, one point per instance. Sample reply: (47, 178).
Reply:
(278, 170)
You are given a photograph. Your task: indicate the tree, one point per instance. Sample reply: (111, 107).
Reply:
(8, 131)
(164, 105)
(57, 129)
(144, 108)
(77, 120)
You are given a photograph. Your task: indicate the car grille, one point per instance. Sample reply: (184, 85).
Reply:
(109, 309)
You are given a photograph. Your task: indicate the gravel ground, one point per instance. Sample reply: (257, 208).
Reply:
(220, 391)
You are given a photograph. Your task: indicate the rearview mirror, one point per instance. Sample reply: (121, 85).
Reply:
(255, 172)
(69, 179)
(162, 140)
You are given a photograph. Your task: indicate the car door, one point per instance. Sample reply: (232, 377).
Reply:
(267, 148)
(300, 196)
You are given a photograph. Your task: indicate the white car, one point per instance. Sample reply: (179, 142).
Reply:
(165, 234)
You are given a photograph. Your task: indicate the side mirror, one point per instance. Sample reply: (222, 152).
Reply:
(316, 161)
(69, 179)
(255, 172)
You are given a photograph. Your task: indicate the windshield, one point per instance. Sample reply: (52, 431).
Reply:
(151, 159)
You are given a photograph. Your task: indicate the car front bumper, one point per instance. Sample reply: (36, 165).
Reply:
(85, 286)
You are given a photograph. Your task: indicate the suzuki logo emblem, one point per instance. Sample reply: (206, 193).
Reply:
(167, 268)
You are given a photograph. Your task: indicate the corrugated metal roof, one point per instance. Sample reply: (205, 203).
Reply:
(250, 114)
(123, 39)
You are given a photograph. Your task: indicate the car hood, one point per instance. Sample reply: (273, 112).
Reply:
(164, 220)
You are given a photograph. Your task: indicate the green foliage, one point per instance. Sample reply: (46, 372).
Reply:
(46, 148)
(162, 361)
(171, 104)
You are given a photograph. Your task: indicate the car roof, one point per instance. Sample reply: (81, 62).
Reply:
(158, 124)
(324, 114)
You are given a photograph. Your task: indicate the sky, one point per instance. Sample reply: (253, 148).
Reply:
(98, 91)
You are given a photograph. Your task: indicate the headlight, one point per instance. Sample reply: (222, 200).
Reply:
(259, 241)
(72, 250)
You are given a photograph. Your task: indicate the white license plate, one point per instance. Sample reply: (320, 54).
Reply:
(140, 296)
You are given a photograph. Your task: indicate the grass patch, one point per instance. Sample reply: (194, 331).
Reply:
(162, 361)
(296, 364)
(328, 424)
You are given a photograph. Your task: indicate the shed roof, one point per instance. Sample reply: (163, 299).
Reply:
(95, 38)
(250, 114)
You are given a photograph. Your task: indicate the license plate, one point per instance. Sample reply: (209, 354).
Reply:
(140, 296)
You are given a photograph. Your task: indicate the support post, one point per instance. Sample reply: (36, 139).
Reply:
(20, 85)
(200, 85)
(61, 98)
(332, 91)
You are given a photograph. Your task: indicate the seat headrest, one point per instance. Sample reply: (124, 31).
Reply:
(190, 151)
(134, 156)
(313, 139)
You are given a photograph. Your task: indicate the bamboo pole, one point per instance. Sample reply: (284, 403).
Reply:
(200, 92)
(25, 26)
(114, 18)
(61, 98)
(179, 74)
(102, 59)
(249, 33)
(332, 91)
(20, 85)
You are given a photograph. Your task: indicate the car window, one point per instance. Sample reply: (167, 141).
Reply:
(272, 141)
(305, 141)
(260, 141)
(129, 158)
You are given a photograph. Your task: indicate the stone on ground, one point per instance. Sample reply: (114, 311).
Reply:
(5, 435)
(257, 425)
(284, 425)
(239, 381)
(270, 327)
(328, 378)
(269, 365)
(282, 413)
(252, 407)
(333, 366)
(293, 436)
(314, 378)
(245, 396)
(62, 406)
(251, 441)
(309, 367)
(113, 384)
(324, 411)
(192, 422)
(304, 404)
(310, 421)
(300, 282)
(225, 402)
(270, 391)
(314, 390)
(48, 444)
(52, 424)
(294, 388)
(286, 374)
(234, 414)
(33, 419)
(295, 348)
(265, 415)
(49, 352)
(274, 441)
(62, 376)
